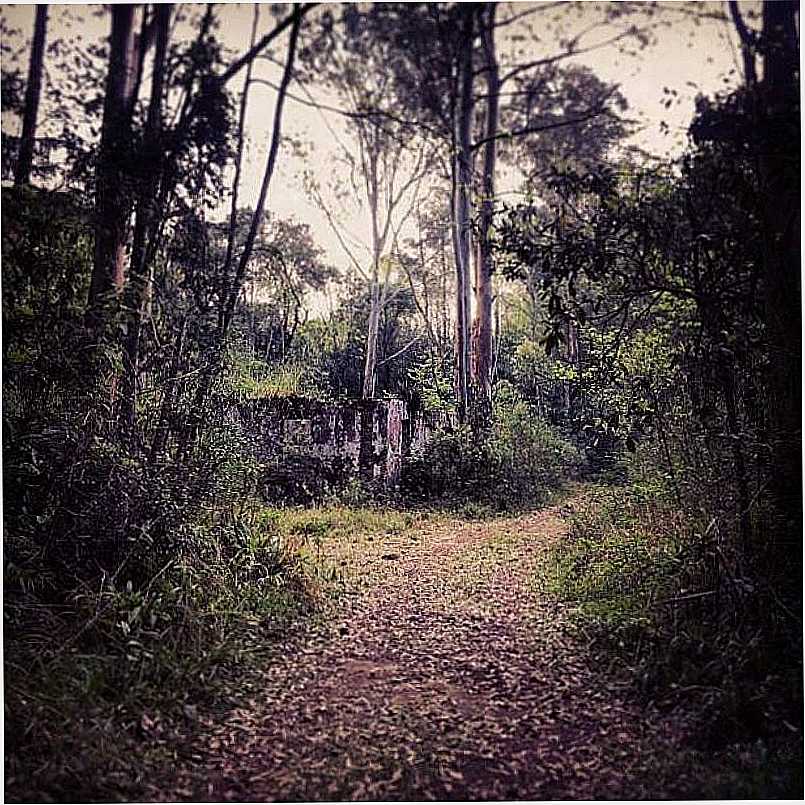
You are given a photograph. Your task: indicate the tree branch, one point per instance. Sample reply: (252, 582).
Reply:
(506, 135)
(522, 68)
(748, 44)
(400, 351)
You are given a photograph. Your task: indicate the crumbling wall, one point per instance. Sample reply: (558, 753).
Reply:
(331, 441)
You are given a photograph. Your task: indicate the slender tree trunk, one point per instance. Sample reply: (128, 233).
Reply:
(163, 425)
(748, 44)
(780, 187)
(145, 225)
(482, 323)
(369, 158)
(373, 329)
(205, 381)
(113, 202)
(444, 325)
(462, 211)
(25, 158)
(276, 137)
(233, 212)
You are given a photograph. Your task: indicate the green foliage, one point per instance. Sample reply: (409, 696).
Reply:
(532, 455)
(515, 463)
(618, 564)
(338, 521)
(254, 379)
(432, 383)
(648, 586)
(158, 646)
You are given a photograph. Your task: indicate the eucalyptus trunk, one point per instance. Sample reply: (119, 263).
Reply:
(33, 89)
(482, 323)
(372, 332)
(146, 224)
(113, 197)
(462, 209)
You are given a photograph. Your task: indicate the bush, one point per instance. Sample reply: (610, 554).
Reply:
(117, 661)
(515, 462)
(648, 586)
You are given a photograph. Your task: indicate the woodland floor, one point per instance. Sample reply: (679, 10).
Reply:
(444, 674)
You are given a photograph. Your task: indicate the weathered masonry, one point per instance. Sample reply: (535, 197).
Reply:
(335, 441)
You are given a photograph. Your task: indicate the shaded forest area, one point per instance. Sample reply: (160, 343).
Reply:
(605, 321)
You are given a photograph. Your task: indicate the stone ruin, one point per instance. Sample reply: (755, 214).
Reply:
(304, 441)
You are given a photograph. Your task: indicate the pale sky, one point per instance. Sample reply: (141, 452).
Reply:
(687, 58)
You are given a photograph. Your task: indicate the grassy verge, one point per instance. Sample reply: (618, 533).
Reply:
(651, 592)
(105, 686)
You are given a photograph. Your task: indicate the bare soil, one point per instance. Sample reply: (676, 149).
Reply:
(446, 673)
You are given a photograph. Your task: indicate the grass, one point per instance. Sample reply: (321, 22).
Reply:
(103, 687)
(90, 670)
(644, 586)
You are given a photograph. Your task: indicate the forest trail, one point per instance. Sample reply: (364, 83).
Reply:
(446, 675)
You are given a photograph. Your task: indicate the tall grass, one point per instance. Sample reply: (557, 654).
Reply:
(653, 591)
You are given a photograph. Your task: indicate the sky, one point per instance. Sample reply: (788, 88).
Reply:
(686, 57)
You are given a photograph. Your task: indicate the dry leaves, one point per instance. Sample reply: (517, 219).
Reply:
(446, 677)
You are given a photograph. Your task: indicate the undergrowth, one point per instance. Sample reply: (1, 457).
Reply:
(90, 671)
(515, 462)
(97, 676)
(661, 597)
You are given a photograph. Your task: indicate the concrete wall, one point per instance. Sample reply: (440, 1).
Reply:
(365, 439)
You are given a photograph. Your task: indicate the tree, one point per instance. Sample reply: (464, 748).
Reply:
(761, 122)
(22, 174)
(231, 287)
(482, 324)
(780, 192)
(462, 210)
(114, 160)
(436, 47)
(390, 160)
(141, 173)
(147, 199)
(286, 266)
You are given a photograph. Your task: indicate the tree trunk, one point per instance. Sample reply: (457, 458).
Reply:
(780, 171)
(145, 225)
(113, 202)
(370, 365)
(25, 158)
(233, 212)
(276, 136)
(163, 425)
(205, 382)
(462, 213)
(482, 323)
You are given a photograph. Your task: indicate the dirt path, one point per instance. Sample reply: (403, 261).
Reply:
(448, 675)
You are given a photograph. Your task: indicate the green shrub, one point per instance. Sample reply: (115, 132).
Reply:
(532, 455)
(251, 378)
(85, 677)
(514, 462)
(648, 586)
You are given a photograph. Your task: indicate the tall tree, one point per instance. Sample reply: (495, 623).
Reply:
(482, 322)
(113, 186)
(271, 161)
(781, 199)
(147, 216)
(435, 46)
(22, 173)
(231, 287)
(462, 204)
(387, 160)
(241, 140)
(764, 118)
